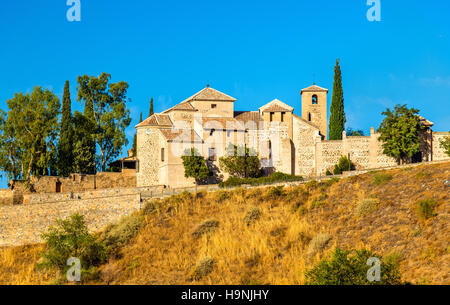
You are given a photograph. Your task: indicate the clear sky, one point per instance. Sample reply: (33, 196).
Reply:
(254, 51)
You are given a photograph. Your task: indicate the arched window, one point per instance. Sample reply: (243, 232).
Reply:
(309, 116)
(314, 99)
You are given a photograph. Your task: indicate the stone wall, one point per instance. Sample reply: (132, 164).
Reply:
(304, 137)
(8, 197)
(76, 183)
(438, 151)
(41, 198)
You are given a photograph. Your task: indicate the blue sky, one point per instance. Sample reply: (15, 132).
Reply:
(254, 51)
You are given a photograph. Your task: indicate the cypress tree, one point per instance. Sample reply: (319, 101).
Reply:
(337, 116)
(150, 112)
(135, 139)
(65, 145)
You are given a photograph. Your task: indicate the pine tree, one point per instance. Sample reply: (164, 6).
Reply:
(150, 113)
(65, 145)
(337, 117)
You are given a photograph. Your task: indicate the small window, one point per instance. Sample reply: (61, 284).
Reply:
(213, 106)
(211, 132)
(162, 155)
(282, 116)
(212, 154)
(271, 116)
(314, 100)
(228, 133)
(309, 116)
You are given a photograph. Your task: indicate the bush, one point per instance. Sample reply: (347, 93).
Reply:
(350, 268)
(221, 196)
(71, 238)
(381, 178)
(275, 192)
(241, 161)
(204, 267)
(344, 164)
(151, 207)
(319, 243)
(119, 234)
(328, 173)
(207, 227)
(425, 208)
(367, 206)
(252, 216)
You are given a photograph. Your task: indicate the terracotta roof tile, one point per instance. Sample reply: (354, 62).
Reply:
(156, 120)
(313, 88)
(276, 108)
(248, 116)
(180, 135)
(210, 94)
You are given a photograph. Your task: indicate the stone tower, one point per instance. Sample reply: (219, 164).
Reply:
(314, 107)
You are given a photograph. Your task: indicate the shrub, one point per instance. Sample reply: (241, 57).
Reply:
(71, 238)
(350, 268)
(151, 207)
(328, 173)
(207, 227)
(275, 192)
(425, 208)
(195, 166)
(344, 164)
(204, 267)
(221, 196)
(312, 185)
(367, 206)
(119, 234)
(252, 216)
(381, 178)
(318, 243)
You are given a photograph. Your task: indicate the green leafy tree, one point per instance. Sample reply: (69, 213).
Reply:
(105, 104)
(151, 112)
(10, 150)
(32, 122)
(84, 144)
(445, 144)
(241, 161)
(350, 268)
(400, 133)
(337, 116)
(195, 166)
(65, 145)
(71, 238)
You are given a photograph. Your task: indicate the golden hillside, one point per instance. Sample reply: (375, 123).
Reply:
(273, 235)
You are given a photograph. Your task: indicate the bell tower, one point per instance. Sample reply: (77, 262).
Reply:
(314, 107)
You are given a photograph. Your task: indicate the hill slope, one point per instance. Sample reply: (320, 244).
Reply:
(273, 235)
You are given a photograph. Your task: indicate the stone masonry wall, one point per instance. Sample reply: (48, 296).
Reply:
(438, 151)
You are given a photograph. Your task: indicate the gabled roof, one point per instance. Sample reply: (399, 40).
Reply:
(185, 106)
(162, 120)
(180, 135)
(313, 88)
(209, 94)
(276, 106)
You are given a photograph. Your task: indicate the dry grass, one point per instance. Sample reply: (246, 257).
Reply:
(274, 248)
